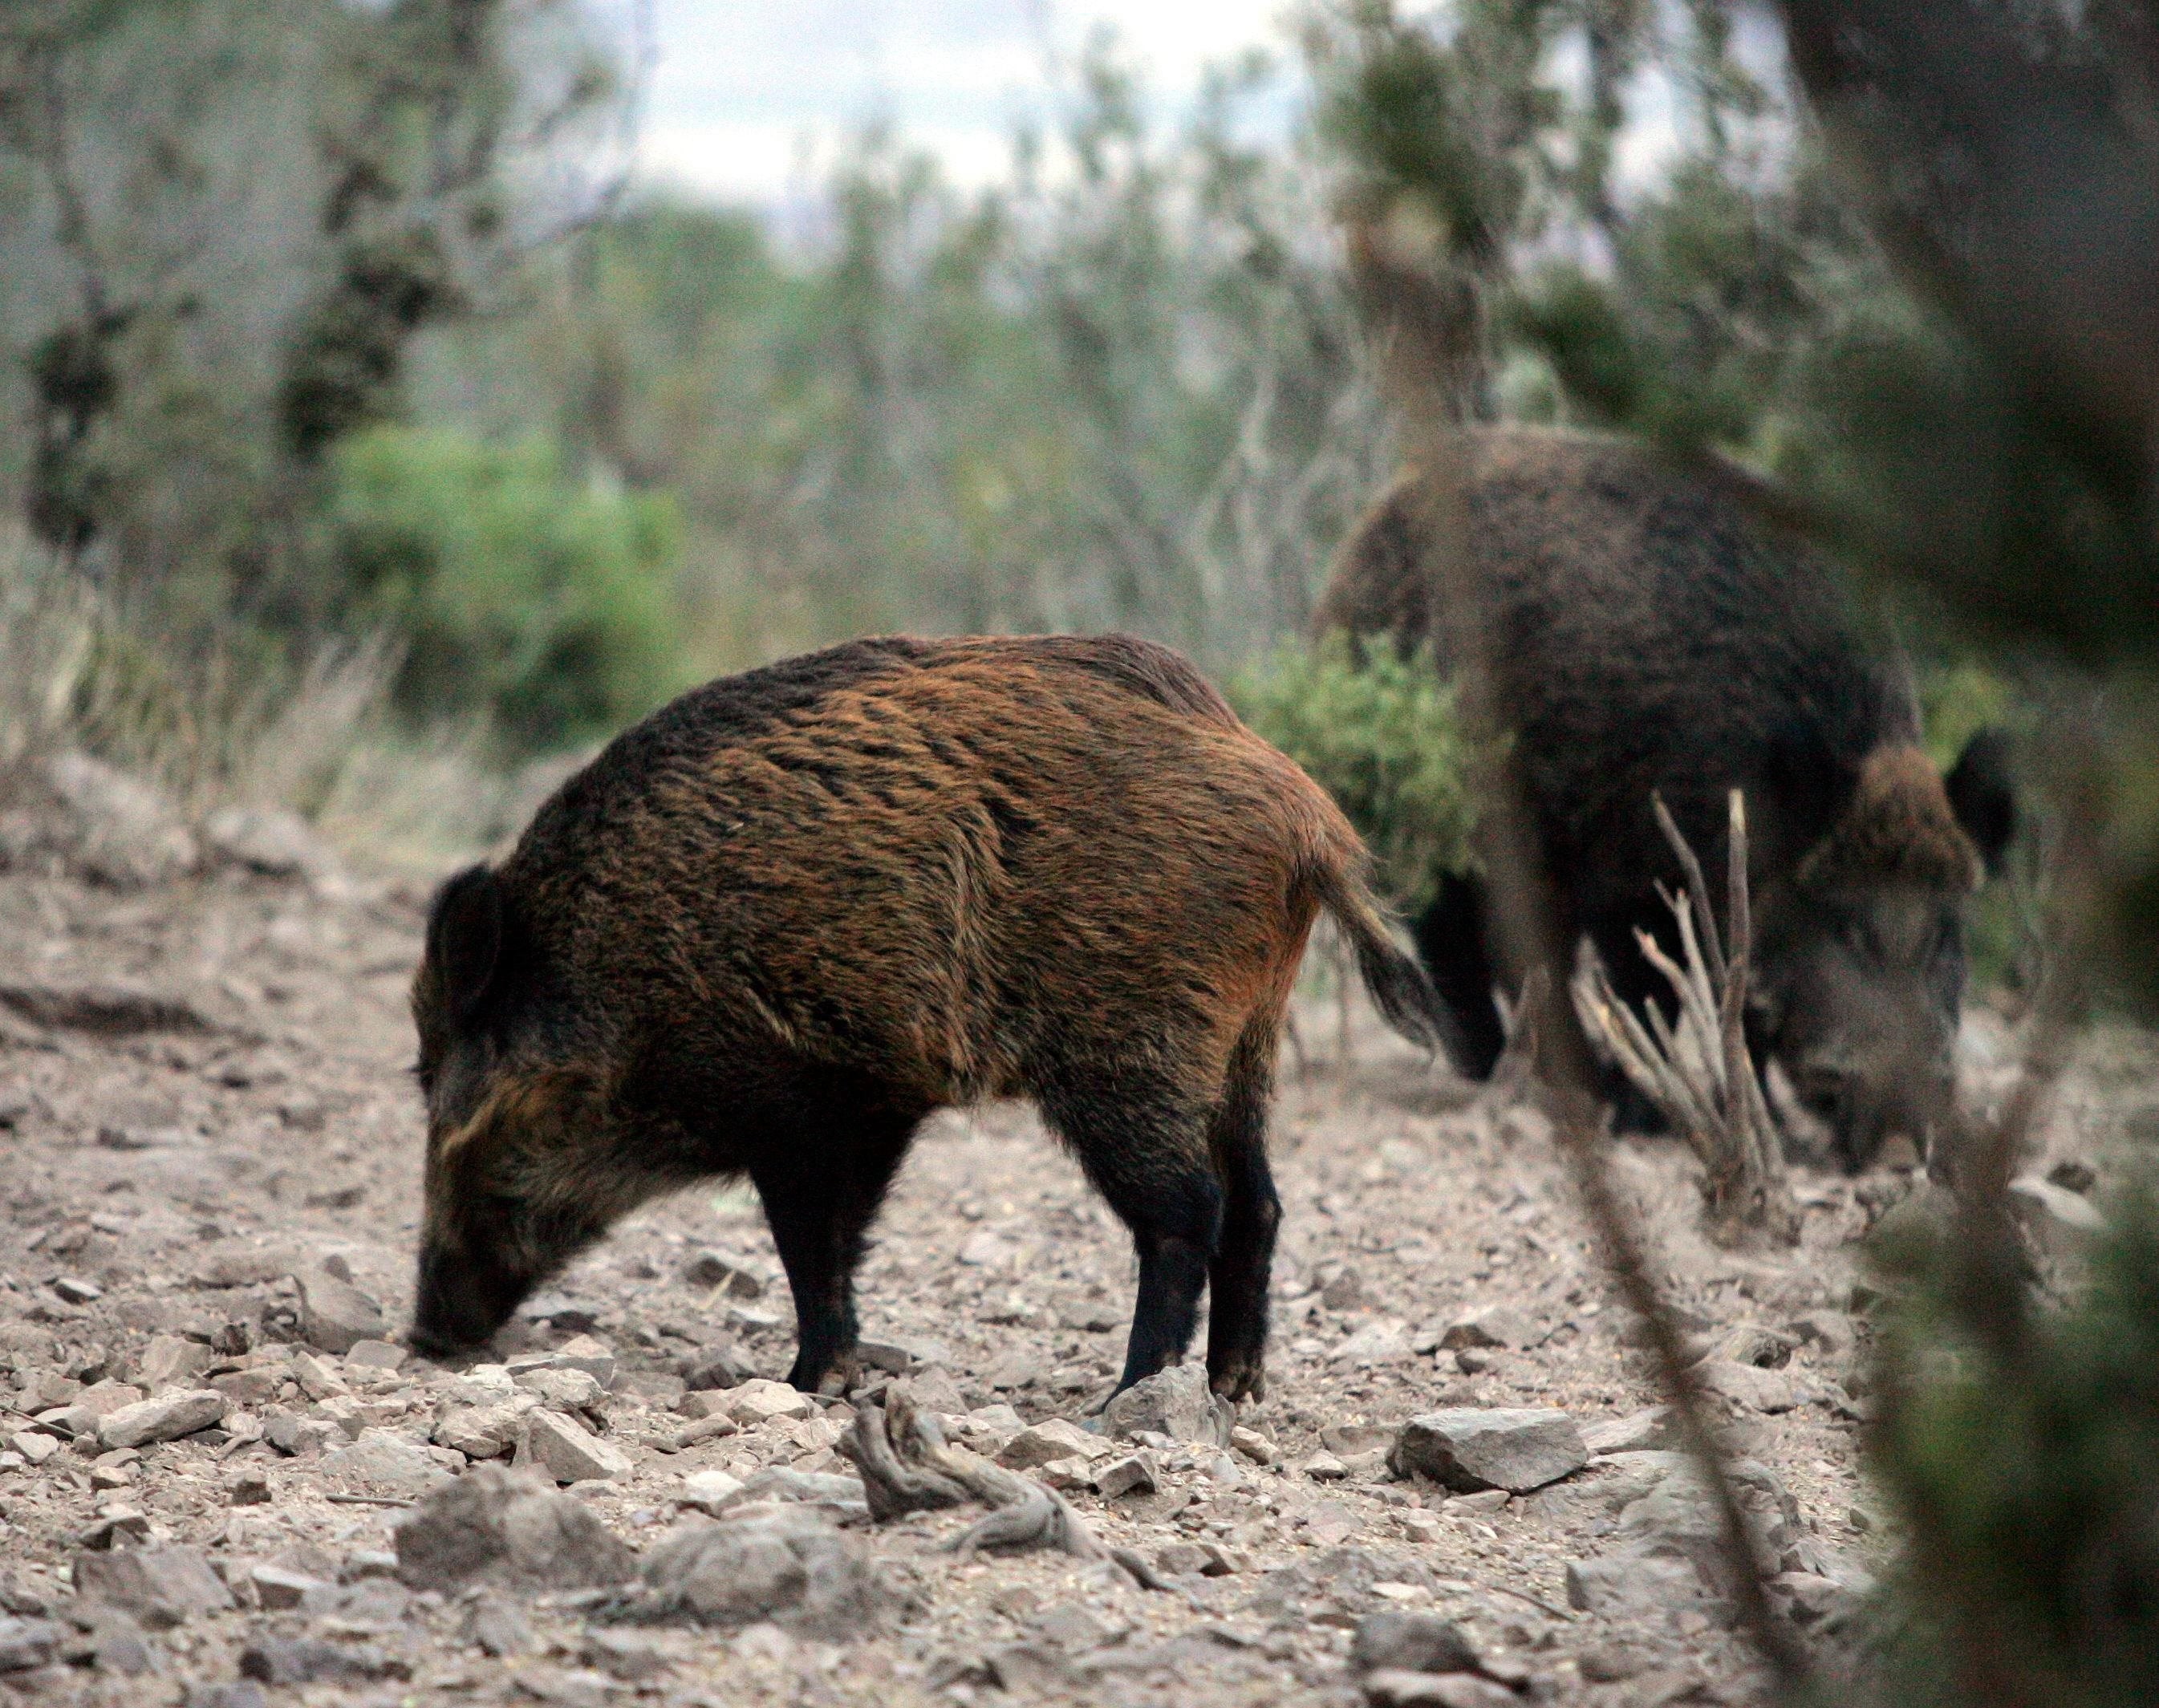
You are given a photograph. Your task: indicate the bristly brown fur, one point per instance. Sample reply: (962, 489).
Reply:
(773, 927)
(1897, 829)
(1647, 637)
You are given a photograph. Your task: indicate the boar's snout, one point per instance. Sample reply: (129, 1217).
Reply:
(464, 1297)
(1864, 1111)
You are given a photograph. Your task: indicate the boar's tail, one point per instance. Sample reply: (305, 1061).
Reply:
(1396, 984)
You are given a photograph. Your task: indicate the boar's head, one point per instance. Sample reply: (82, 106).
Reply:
(516, 1182)
(1860, 972)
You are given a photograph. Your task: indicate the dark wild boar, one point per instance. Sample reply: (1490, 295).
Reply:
(1649, 637)
(772, 928)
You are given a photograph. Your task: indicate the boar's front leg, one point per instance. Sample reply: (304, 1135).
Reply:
(821, 1192)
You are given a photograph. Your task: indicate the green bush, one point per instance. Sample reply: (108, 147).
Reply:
(1379, 733)
(540, 604)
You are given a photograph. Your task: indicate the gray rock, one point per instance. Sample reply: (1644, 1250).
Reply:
(112, 828)
(566, 1450)
(383, 1465)
(499, 1628)
(564, 1389)
(376, 1355)
(841, 1497)
(168, 1360)
(1634, 1581)
(239, 1263)
(277, 1588)
(271, 840)
(1415, 1643)
(1175, 1402)
(709, 1492)
(589, 1354)
(1395, 1689)
(1634, 1433)
(335, 1315)
(1133, 1474)
(165, 1418)
(1469, 1449)
(708, 1269)
(25, 1643)
(491, 1523)
(481, 1432)
(1750, 1386)
(118, 1645)
(716, 1367)
(246, 1694)
(791, 1567)
(307, 1660)
(162, 1586)
(1496, 1325)
(1055, 1438)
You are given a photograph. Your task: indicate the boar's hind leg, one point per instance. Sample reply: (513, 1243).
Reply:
(1146, 1151)
(1451, 943)
(1237, 1281)
(822, 1190)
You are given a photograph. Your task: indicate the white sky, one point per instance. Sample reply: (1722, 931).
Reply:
(744, 86)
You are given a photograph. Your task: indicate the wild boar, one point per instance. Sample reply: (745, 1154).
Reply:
(1649, 637)
(772, 928)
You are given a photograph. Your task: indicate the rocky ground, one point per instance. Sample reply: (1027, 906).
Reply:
(223, 1481)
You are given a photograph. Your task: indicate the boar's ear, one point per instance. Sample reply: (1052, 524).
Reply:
(1803, 789)
(1983, 797)
(464, 938)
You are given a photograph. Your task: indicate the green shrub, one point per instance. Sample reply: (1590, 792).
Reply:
(1379, 733)
(540, 604)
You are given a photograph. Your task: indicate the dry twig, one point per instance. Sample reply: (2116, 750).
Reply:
(1701, 1076)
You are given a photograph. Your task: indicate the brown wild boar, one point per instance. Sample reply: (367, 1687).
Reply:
(772, 928)
(1651, 638)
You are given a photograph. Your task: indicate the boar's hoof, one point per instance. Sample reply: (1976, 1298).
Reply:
(1244, 1380)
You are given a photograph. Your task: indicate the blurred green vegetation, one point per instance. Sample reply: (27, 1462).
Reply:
(518, 596)
(1378, 732)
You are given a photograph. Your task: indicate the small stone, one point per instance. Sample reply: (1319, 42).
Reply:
(708, 1269)
(162, 1586)
(1175, 1402)
(376, 1355)
(1253, 1445)
(237, 1263)
(716, 1367)
(792, 1568)
(383, 1465)
(499, 1629)
(1221, 1561)
(1469, 1449)
(246, 1694)
(1495, 1325)
(1330, 1524)
(1415, 1643)
(590, 1355)
(78, 1291)
(1408, 1690)
(710, 1405)
(1072, 1475)
(308, 1660)
(168, 1361)
(1639, 1432)
(1345, 1291)
(709, 1492)
(1133, 1474)
(564, 1389)
(566, 1315)
(1324, 1467)
(760, 1401)
(27, 1643)
(35, 1445)
(1747, 1385)
(165, 1418)
(493, 1523)
(1382, 1342)
(481, 1432)
(335, 1315)
(1483, 1501)
(1633, 1582)
(1181, 1559)
(1056, 1438)
(653, 1387)
(251, 1487)
(566, 1450)
(630, 1656)
(277, 1588)
(318, 1381)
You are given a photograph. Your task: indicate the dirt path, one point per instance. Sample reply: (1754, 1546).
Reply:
(169, 1170)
